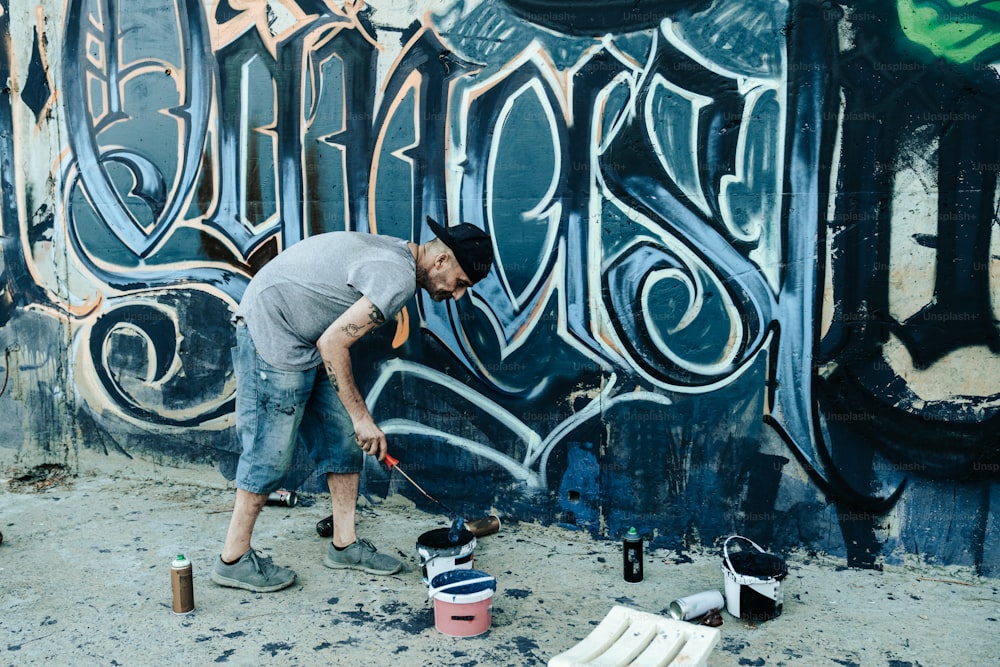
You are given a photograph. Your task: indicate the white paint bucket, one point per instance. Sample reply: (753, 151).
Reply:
(753, 582)
(439, 554)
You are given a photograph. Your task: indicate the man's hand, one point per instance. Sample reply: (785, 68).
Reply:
(370, 438)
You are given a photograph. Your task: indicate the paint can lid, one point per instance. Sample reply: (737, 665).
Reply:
(463, 582)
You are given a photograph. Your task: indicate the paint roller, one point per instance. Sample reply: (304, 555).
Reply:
(478, 527)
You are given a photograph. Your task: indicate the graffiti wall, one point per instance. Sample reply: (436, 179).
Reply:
(748, 257)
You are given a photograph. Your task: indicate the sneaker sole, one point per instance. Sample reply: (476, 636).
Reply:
(350, 566)
(236, 583)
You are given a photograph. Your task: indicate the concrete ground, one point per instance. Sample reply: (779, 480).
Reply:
(84, 580)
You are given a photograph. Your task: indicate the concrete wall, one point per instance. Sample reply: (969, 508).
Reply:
(747, 280)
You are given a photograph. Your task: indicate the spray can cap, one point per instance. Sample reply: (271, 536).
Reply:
(632, 533)
(179, 561)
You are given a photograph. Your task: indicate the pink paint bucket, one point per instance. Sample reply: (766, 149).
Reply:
(463, 602)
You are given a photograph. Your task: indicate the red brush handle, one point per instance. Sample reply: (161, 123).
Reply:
(391, 460)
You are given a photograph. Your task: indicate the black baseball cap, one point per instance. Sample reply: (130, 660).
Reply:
(473, 248)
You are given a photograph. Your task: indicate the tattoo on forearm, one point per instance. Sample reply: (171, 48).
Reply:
(375, 316)
(333, 377)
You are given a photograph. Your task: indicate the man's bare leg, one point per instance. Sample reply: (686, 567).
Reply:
(343, 502)
(238, 565)
(246, 509)
(346, 551)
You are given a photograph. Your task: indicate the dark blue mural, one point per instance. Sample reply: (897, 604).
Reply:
(747, 252)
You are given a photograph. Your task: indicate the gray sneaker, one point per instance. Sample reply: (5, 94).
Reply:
(362, 555)
(253, 573)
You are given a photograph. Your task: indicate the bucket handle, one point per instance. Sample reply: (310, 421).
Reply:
(725, 549)
(436, 556)
(455, 584)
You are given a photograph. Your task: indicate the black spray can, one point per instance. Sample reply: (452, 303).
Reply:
(632, 556)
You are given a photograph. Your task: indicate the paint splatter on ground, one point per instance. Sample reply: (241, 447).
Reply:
(85, 571)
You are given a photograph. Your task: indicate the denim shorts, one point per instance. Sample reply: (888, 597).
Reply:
(277, 410)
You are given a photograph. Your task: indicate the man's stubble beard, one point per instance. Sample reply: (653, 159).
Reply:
(423, 282)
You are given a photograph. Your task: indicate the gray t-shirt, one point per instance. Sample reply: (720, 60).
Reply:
(299, 293)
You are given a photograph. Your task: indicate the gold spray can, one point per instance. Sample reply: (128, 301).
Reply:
(182, 584)
(485, 526)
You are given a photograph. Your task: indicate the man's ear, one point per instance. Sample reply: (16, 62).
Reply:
(441, 260)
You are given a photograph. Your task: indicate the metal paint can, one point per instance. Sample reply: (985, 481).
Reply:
(182, 584)
(485, 526)
(694, 606)
(438, 553)
(753, 581)
(282, 497)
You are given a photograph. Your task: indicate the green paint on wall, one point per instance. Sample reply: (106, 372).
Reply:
(960, 31)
